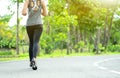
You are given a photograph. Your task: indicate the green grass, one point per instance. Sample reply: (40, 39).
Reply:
(11, 56)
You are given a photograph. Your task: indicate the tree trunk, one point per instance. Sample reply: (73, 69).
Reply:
(68, 42)
(71, 37)
(107, 30)
(81, 39)
(48, 25)
(110, 26)
(77, 38)
(90, 41)
(17, 30)
(85, 38)
(97, 42)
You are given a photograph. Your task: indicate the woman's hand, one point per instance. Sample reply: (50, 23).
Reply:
(24, 13)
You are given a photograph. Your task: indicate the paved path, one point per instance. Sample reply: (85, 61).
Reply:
(67, 67)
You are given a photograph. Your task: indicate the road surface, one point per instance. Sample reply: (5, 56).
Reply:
(66, 67)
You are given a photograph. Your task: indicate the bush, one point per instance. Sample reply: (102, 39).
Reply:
(7, 43)
(47, 44)
(113, 48)
(6, 53)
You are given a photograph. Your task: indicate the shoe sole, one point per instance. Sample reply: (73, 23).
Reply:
(34, 67)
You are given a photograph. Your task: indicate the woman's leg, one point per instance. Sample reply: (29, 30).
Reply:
(30, 33)
(36, 38)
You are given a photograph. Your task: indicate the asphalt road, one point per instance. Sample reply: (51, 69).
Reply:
(66, 67)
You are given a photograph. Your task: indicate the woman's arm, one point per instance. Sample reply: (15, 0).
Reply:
(24, 10)
(44, 9)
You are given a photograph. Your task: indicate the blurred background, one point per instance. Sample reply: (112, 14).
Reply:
(71, 27)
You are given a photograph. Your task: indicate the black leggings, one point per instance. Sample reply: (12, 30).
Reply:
(34, 33)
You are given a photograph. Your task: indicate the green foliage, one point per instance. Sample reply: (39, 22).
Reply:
(5, 18)
(101, 47)
(80, 44)
(113, 48)
(47, 44)
(7, 42)
(17, 0)
(5, 52)
(115, 38)
(80, 18)
(7, 37)
(56, 6)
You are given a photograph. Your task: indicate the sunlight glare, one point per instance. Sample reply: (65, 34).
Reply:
(108, 1)
(3, 4)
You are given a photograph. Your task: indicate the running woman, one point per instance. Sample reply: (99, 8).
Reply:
(34, 26)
